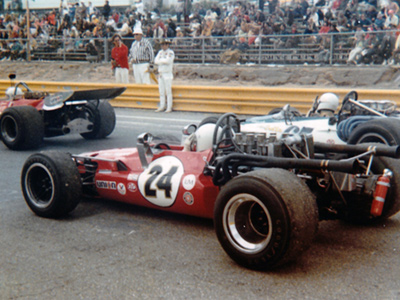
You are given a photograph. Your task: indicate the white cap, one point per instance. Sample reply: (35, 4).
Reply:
(138, 31)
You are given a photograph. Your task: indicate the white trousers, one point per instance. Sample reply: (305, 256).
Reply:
(353, 53)
(141, 73)
(165, 89)
(121, 75)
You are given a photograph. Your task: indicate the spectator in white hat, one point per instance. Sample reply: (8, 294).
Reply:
(141, 55)
(165, 61)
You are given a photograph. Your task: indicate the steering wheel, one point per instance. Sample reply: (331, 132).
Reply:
(225, 129)
(350, 95)
(24, 84)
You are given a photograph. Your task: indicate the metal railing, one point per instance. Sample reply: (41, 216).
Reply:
(260, 49)
(288, 49)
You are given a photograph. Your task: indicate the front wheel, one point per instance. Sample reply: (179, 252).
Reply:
(265, 218)
(209, 120)
(103, 117)
(51, 184)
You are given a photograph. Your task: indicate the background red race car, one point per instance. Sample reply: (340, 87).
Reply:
(266, 195)
(27, 116)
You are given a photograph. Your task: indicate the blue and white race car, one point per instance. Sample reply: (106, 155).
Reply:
(366, 121)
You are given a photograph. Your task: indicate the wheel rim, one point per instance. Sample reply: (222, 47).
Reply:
(89, 115)
(373, 138)
(9, 128)
(39, 185)
(247, 223)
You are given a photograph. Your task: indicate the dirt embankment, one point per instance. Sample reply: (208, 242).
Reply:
(381, 77)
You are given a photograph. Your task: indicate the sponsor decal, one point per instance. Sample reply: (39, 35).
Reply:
(121, 188)
(188, 198)
(132, 187)
(298, 130)
(188, 182)
(104, 171)
(330, 141)
(133, 177)
(108, 185)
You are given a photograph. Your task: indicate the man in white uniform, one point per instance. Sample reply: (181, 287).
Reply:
(165, 61)
(141, 55)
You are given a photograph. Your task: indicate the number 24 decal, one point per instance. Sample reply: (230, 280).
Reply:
(163, 181)
(159, 184)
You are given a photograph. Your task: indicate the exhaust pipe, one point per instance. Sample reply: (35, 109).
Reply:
(230, 164)
(378, 150)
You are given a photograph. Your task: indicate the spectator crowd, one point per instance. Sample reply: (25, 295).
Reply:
(371, 26)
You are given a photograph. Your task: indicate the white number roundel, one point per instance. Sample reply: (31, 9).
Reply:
(159, 183)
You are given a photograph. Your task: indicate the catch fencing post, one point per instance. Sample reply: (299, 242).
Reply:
(105, 49)
(202, 51)
(64, 56)
(331, 50)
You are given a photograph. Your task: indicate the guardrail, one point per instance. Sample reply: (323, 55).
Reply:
(213, 99)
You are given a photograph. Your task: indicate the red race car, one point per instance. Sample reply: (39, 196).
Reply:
(265, 195)
(27, 116)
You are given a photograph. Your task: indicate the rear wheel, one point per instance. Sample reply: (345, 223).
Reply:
(51, 184)
(21, 127)
(265, 218)
(383, 131)
(103, 117)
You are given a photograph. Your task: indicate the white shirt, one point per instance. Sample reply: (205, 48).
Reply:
(91, 9)
(165, 60)
(111, 23)
(124, 30)
(392, 20)
(158, 33)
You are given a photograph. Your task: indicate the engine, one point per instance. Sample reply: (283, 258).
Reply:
(385, 107)
(261, 144)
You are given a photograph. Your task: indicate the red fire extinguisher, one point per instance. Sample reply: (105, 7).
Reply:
(382, 186)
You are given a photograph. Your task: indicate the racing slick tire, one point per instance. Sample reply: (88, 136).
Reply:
(209, 120)
(265, 218)
(383, 131)
(51, 184)
(214, 120)
(103, 117)
(359, 211)
(21, 127)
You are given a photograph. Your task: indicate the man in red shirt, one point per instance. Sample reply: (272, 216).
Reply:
(52, 18)
(119, 60)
